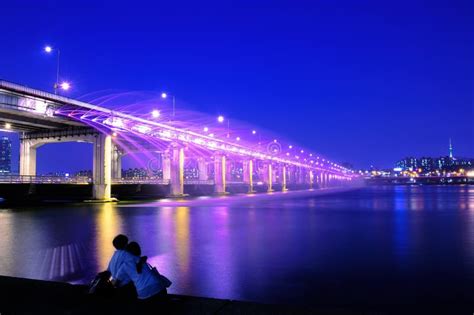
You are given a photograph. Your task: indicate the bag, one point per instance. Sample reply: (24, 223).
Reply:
(101, 285)
(165, 282)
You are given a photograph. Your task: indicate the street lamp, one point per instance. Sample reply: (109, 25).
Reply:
(64, 86)
(165, 96)
(221, 119)
(48, 49)
(155, 113)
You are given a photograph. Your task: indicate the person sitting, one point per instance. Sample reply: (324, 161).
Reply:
(148, 283)
(125, 288)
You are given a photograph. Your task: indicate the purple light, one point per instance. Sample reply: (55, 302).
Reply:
(206, 129)
(220, 119)
(254, 132)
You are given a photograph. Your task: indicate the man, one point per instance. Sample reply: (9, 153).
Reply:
(125, 288)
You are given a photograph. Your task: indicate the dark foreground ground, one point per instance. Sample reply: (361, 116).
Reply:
(25, 296)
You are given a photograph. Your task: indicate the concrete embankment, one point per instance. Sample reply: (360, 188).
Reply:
(26, 296)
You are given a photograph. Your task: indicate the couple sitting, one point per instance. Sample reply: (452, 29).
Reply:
(127, 269)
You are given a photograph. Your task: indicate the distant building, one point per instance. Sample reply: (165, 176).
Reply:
(5, 155)
(428, 164)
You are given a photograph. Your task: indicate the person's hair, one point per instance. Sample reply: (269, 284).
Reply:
(134, 249)
(120, 241)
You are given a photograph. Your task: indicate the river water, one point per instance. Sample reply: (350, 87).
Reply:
(391, 244)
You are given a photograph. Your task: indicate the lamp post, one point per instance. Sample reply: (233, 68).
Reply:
(221, 119)
(49, 50)
(164, 96)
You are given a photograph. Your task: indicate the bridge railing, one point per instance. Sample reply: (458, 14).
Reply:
(44, 179)
(141, 180)
(198, 182)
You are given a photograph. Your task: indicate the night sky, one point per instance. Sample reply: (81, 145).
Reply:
(366, 82)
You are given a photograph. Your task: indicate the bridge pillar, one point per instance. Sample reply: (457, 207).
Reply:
(177, 171)
(102, 167)
(116, 162)
(311, 179)
(301, 175)
(283, 177)
(202, 167)
(220, 174)
(268, 176)
(248, 174)
(166, 165)
(28, 157)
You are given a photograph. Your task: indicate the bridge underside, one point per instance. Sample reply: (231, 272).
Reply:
(79, 192)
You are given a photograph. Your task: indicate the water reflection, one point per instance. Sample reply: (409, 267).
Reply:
(268, 250)
(107, 227)
(182, 238)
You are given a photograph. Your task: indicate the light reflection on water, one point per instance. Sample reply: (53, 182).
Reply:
(265, 250)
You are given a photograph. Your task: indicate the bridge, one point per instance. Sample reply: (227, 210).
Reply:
(42, 118)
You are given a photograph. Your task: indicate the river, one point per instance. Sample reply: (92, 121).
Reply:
(389, 243)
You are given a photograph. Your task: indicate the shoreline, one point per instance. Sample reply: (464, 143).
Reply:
(29, 296)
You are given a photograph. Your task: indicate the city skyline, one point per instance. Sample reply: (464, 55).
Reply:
(328, 82)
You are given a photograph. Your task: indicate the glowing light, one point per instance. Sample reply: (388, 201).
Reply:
(143, 129)
(290, 147)
(275, 140)
(8, 126)
(206, 129)
(211, 135)
(238, 138)
(48, 49)
(470, 174)
(155, 113)
(302, 151)
(115, 122)
(65, 86)
(220, 119)
(114, 134)
(164, 95)
(254, 132)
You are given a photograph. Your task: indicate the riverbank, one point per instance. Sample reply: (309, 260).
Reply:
(27, 296)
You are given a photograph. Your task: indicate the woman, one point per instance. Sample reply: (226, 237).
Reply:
(150, 288)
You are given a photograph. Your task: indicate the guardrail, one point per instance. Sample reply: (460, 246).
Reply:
(198, 182)
(27, 179)
(141, 180)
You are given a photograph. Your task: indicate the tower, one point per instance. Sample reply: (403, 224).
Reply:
(450, 149)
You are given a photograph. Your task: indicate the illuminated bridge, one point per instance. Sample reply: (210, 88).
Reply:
(43, 118)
